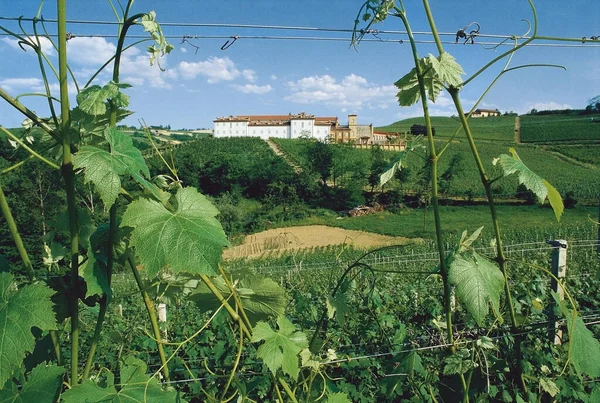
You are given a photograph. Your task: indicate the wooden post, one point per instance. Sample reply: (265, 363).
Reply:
(162, 319)
(559, 269)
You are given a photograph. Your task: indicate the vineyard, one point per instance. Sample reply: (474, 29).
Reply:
(386, 323)
(498, 129)
(560, 128)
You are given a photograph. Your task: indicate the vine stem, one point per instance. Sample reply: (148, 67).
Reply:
(112, 226)
(68, 175)
(14, 232)
(152, 315)
(433, 159)
(29, 149)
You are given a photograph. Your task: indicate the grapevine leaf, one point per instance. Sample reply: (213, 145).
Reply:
(20, 311)
(409, 96)
(189, 239)
(585, 349)
(93, 272)
(136, 386)
(555, 200)
(308, 361)
(339, 397)
(103, 168)
(280, 349)
(261, 298)
(447, 69)
(412, 363)
(337, 306)
(458, 363)
(549, 387)
(478, 283)
(541, 188)
(42, 386)
(399, 161)
(91, 100)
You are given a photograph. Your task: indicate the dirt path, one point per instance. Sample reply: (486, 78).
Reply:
(283, 155)
(292, 238)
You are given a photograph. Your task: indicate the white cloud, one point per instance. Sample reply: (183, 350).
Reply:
(92, 51)
(47, 46)
(352, 93)
(253, 89)
(273, 77)
(544, 106)
(249, 75)
(33, 85)
(14, 84)
(183, 50)
(215, 69)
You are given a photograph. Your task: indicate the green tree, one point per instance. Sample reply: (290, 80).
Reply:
(321, 160)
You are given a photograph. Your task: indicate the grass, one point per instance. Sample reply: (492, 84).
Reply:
(417, 223)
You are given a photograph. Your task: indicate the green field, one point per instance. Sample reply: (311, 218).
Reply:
(589, 154)
(560, 128)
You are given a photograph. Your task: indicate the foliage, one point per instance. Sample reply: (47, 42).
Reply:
(186, 239)
(20, 311)
(135, 385)
(42, 385)
(280, 348)
(559, 128)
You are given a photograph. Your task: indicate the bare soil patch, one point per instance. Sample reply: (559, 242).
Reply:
(291, 238)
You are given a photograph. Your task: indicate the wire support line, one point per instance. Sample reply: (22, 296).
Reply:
(295, 28)
(373, 356)
(316, 38)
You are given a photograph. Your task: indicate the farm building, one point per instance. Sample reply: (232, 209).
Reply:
(484, 113)
(291, 126)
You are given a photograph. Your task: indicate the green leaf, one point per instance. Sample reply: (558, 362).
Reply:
(447, 69)
(20, 310)
(478, 283)
(549, 387)
(135, 386)
(91, 100)
(555, 200)
(103, 168)
(189, 239)
(93, 272)
(585, 348)
(42, 386)
(541, 188)
(458, 363)
(337, 306)
(339, 397)
(280, 349)
(399, 161)
(262, 298)
(412, 363)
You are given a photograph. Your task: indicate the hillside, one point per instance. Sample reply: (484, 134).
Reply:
(501, 128)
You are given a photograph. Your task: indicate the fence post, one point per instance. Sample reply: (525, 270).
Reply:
(162, 319)
(559, 269)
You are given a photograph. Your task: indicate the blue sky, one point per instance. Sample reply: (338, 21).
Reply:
(325, 78)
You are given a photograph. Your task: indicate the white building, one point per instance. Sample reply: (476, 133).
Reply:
(281, 126)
